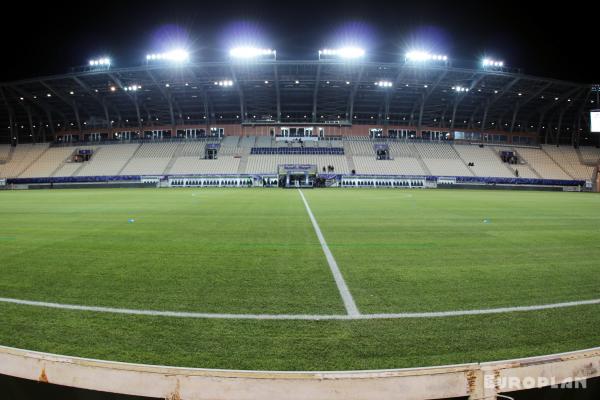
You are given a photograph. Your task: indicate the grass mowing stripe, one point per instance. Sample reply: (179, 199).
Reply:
(349, 303)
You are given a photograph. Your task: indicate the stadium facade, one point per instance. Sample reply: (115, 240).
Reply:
(326, 122)
(334, 97)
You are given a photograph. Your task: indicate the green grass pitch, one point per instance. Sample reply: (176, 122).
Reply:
(254, 251)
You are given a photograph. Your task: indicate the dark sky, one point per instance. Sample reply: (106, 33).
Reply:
(551, 40)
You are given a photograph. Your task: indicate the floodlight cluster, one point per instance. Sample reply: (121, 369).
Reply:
(423, 56)
(132, 88)
(383, 84)
(251, 52)
(100, 62)
(224, 83)
(343, 52)
(488, 62)
(460, 89)
(177, 55)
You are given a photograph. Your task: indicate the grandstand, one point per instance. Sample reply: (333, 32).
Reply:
(171, 241)
(223, 117)
(240, 155)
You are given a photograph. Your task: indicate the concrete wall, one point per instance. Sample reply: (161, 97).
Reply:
(477, 380)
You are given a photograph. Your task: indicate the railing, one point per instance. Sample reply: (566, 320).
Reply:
(297, 150)
(134, 141)
(459, 179)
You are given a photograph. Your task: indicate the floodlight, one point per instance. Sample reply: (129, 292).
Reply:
(251, 52)
(224, 83)
(132, 88)
(175, 56)
(348, 52)
(424, 56)
(102, 62)
(491, 63)
(383, 84)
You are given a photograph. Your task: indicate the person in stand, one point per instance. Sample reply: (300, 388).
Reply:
(517, 173)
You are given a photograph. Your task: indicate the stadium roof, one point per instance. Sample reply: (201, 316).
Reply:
(292, 92)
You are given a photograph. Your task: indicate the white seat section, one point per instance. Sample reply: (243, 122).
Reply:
(230, 141)
(440, 158)
(398, 166)
(4, 152)
(487, 161)
(108, 160)
(447, 167)
(568, 159)
(150, 159)
(67, 169)
(590, 154)
(261, 164)
(229, 146)
(263, 141)
(196, 165)
(145, 166)
(48, 162)
(542, 163)
(403, 149)
(23, 156)
(191, 149)
(247, 142)
(156, 150)
(435, 150)
(355, 147)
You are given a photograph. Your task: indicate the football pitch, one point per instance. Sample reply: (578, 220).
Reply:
(323, 279)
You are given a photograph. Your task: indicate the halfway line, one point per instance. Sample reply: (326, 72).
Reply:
(349, 303)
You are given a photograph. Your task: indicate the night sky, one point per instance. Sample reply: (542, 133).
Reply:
(50, 38)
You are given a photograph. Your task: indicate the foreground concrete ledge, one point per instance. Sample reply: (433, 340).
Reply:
(476, 380)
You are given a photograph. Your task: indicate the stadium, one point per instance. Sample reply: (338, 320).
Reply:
(334, 227)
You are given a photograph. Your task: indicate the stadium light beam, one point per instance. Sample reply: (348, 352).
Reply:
(348, 53)
(248, 52)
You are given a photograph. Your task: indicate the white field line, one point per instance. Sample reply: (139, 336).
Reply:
(349, 303)
(309, 317)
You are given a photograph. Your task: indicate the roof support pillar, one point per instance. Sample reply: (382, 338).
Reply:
(316, 94)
